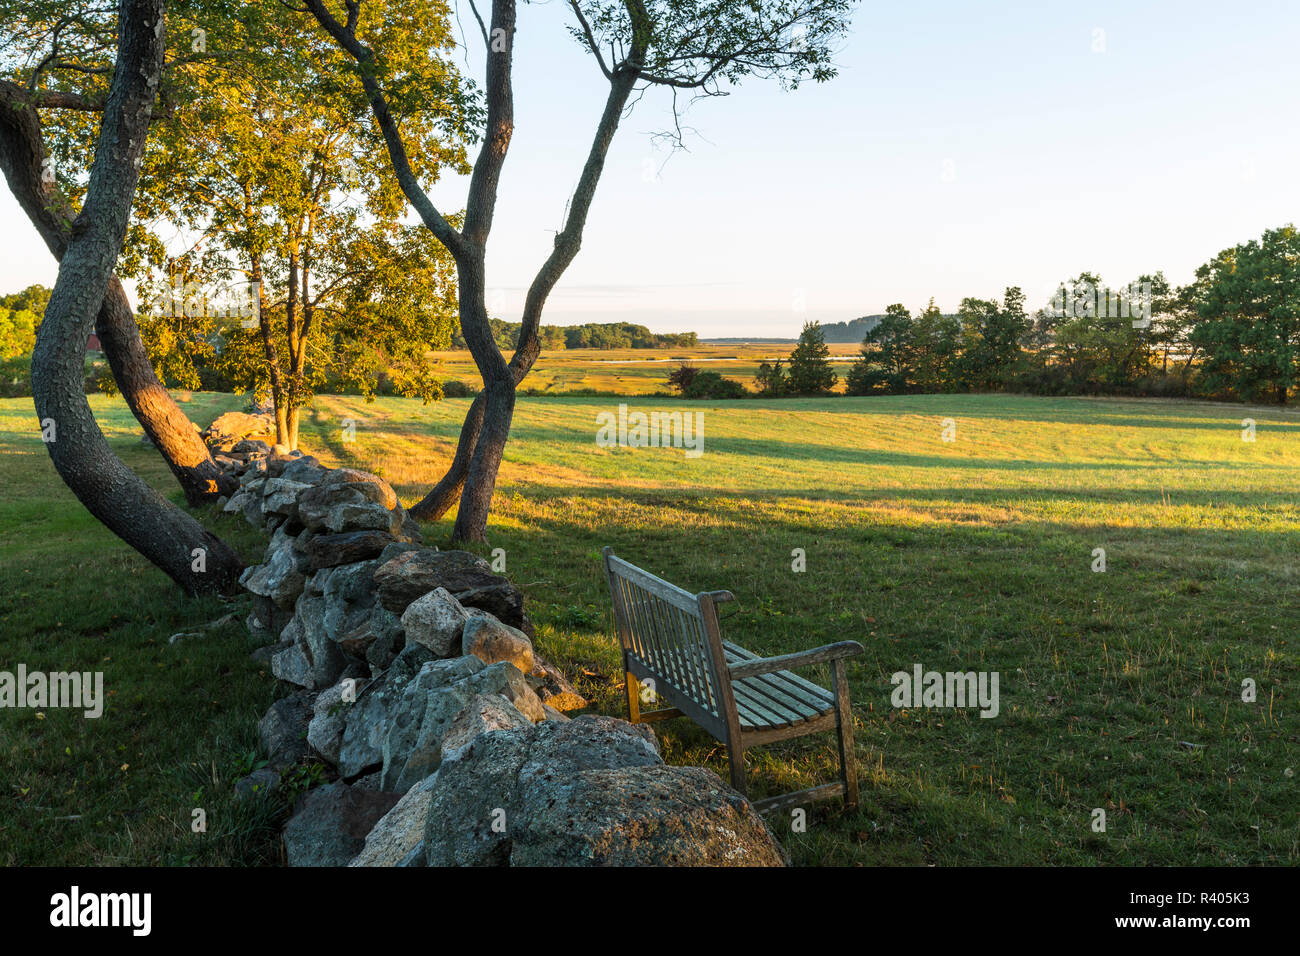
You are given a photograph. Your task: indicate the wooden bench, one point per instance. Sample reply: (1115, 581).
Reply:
(671, 639)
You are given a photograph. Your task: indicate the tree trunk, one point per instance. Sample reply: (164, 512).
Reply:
(272, 359)
(447, 491)
(167, 536)
(22, 152)
(166, 425)
(481, 479)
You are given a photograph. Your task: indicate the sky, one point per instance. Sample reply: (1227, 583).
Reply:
(964, 147)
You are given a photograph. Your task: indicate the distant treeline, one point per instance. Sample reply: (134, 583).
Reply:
(1232, 334)
(593, 335)
(852, 331)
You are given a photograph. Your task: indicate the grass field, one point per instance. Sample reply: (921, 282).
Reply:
(641, 371)
(1119, 690)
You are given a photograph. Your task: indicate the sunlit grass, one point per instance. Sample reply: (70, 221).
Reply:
(1119, 690)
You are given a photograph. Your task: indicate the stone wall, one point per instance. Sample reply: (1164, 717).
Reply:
(444, 734)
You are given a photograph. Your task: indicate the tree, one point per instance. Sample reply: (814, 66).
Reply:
(681, 377)
(63, 59)
(990, 340)
(167, 536)
(810, 368)
(887, 362)
(772, 380)
(275, 174)
(700, 46)
(1248, 317)
(935, 339)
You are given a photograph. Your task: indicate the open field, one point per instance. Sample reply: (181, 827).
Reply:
(639, 371)
(1119, 690)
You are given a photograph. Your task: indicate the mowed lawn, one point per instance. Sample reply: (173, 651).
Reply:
(1120, 690)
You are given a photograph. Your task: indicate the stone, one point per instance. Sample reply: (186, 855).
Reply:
(258, 783)
(467, 577)
(325, 732)
(332, 550)
(483, 714)
(502, 600)
(330, 824)
(409, 528)
(400, 832)
(366, 722)
(369, 486)
(473, 788)
(389, 640)
(251, 446)
(291, 664)
(306, 470)
(280, 497)
(414, 573)
(230, 429)
(280, 578)
(562, 749)
(283, 730)
(491, 641)
(552, 687)
(437, 621)
(553, 714)
(236, 502)
(494, 773)
(640, 816)
(420, 717)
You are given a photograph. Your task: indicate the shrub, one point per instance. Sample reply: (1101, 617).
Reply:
(712, 385)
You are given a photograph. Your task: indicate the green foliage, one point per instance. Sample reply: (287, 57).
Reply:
(810, 371)
(20, 316)
(711, 384)
(682, 376)
(593, 335)
(772, 380)
(1247, 305)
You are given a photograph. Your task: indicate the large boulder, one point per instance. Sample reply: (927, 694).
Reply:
(482, 787)
(641, 816)
(330, 824)
(349, 500)
(415, 573)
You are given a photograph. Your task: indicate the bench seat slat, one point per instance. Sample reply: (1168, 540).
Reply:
(737, 654)
(764, 712)
(775, 699)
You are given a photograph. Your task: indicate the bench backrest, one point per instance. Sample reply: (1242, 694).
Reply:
(671, 637)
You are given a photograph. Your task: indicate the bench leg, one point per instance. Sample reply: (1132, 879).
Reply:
(844, 715)
(633, 698)
(736, 755)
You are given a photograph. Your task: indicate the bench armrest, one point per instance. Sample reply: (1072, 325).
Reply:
(766, 665)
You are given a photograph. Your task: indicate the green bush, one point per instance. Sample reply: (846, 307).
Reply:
(710, 384)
